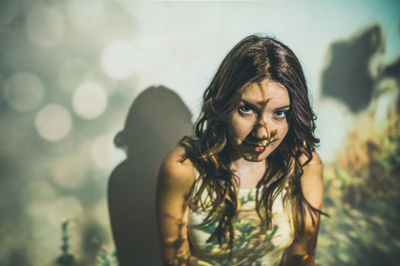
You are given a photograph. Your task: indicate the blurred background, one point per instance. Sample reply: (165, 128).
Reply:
(70, 71)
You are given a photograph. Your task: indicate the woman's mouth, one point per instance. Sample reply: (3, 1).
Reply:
(259, 148)
(256, 147)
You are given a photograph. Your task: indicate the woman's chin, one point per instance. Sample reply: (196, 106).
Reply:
(254, 157)
(252, 153)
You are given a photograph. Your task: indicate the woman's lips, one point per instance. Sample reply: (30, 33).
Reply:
(256, 147)
(259, 148)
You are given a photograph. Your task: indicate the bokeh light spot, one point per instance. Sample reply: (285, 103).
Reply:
(86, 16)
(117, 59)
(53, 122)
(40, 190)
(24, 91)
(90, 99)
(66, 176)
(45, 26)
(38, 209)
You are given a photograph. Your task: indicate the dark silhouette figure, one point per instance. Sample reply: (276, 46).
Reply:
(392, 70)
(347, 76)
(157, 120)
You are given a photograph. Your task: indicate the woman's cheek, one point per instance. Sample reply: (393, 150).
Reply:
(282, 134)
(240, 128)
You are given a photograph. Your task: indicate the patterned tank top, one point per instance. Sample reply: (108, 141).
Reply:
(254, 244)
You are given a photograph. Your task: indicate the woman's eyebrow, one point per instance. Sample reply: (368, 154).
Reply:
(283, 107)
(261, 104)
(252, 105)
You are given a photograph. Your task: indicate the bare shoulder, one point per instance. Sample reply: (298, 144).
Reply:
(312, 181)
(315, 160)
(177, 170)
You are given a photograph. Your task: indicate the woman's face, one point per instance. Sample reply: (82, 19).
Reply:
(259, 124)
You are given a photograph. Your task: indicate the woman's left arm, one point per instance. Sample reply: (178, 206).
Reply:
(302, 251)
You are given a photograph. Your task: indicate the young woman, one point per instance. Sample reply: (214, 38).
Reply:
(247, 188)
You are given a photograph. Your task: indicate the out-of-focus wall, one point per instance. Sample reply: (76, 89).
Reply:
(70, 70)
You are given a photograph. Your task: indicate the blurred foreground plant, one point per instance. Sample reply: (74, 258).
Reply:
(106, 259)
(66, 258)
(363, 199)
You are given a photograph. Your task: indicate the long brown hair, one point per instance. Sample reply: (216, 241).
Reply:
(253, 59)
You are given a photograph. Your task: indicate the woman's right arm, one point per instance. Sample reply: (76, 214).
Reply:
(174, 183)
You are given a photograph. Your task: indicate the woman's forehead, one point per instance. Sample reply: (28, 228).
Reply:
(264, 92)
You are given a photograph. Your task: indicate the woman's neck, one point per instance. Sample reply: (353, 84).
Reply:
(248, 173)
(243, 164)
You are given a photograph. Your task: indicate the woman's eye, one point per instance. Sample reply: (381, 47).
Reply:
(280, 114)
(245, 109)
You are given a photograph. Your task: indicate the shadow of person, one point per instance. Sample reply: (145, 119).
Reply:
(156, 121)
(347, 76)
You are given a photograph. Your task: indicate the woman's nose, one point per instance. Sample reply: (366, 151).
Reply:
(260, 130)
